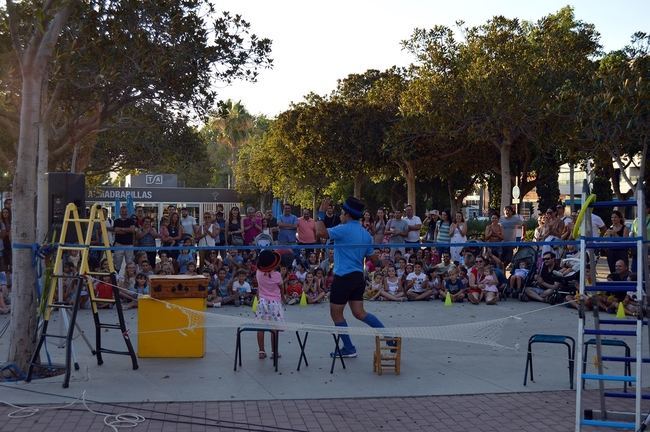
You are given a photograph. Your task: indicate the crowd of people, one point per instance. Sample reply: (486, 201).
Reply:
(396, 271)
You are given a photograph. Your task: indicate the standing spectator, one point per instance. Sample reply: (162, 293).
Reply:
(146, 236)
(175, 230)
(380, 226)
(306, 229)
(207, 235)
(398, 229)
(431, 222)
(139, 216)
(511, 224)
(331, 219)
(458, 231)
(188, 222)
(108, 222)
(414, 224)
(252, 226)
(124, 228)
(494, 234)
(234, 231)
(163, 231)
(287, 225)
(272, 224)
(617, 229)
(221, 221)
(442, 231)
(368, 223)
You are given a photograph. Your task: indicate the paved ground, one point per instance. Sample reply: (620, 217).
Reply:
(444, 385)
(534, 411)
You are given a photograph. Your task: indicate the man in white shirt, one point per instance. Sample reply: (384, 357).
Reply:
(415, 223)
(417, 284)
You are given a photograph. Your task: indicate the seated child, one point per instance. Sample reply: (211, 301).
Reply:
(417, 284)
(374, 287)
(141, 287)
(191, 269)
(69, 282)
(392, 289)
(518, 278)
(222, 294)
(313, 290)
(489, 285)
(294, 289)
(242, 288)
(454, 286)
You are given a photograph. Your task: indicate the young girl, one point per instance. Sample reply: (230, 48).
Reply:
(518, 278)
(392, 289)
(490, 285)
(374, 287)
(141, 287)
(300, 272)
(313, 290)
(185, 257)
(269, 284)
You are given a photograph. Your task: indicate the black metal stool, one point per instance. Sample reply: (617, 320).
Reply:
(274, 346)
(567, 341)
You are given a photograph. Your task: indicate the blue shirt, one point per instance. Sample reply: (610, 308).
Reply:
(287, 235)
(348, 260)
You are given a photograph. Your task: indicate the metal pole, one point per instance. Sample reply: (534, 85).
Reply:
(571, 187)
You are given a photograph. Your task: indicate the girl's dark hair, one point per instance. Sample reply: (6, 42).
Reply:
(619, 214)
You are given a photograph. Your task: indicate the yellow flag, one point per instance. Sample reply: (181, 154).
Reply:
(255, 303)
(620, 313)
(448, 299)
(303, 299)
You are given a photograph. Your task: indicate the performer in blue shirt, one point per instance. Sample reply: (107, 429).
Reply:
(349, 283)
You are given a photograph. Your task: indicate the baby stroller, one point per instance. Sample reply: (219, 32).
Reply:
(527, 254)
(263, 240)
(568, 278)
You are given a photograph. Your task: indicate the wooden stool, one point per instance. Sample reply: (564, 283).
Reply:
(388, 352)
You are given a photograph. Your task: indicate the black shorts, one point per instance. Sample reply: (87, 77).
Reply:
(349, 287)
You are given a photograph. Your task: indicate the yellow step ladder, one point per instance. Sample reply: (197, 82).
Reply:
(85, 281)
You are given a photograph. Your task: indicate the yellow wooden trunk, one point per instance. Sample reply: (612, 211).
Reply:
(154, 316)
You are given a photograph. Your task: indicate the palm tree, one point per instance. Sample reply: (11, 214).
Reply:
(229, 127)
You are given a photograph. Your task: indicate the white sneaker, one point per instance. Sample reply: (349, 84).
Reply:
(217, 305)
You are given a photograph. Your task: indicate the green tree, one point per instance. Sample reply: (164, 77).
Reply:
(77, 64)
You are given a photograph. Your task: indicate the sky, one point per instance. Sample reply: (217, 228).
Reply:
(317, 42)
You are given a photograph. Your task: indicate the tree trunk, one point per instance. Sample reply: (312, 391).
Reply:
(409, 176)
(42, 197)
(506, 182)
(358, 181)
(23, 305)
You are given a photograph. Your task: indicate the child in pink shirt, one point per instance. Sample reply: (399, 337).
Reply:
(269, 291)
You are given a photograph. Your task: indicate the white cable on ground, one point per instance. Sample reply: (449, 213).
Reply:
(114, 421)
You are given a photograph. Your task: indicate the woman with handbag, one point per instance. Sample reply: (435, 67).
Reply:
(234, 231)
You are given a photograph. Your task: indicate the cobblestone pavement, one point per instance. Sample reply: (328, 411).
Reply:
(543, 411)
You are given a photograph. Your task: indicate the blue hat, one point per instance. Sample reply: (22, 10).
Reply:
(353, 207)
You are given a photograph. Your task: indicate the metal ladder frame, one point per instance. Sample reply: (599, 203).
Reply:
(84, 279)
(642, 276)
